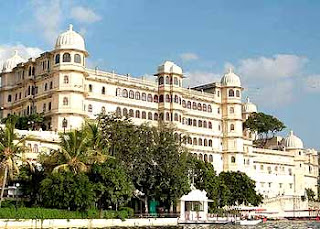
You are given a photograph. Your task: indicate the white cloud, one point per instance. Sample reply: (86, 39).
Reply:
(195, 78)
(189, 56)
(279, 66)
(48, 16)
(6, 51)
(84, 15)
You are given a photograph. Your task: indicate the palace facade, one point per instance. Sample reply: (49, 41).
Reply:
(210, 117)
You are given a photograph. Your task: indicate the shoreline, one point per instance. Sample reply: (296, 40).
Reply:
(85, 223)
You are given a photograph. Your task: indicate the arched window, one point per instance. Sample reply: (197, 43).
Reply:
(131, 113)
(51, 85)
(210, 158)
(204, 107)
(155, 116)
(118, 92)
(194, 122)
(184, 104)
(137, 114)
(200, 141)
(238, 93)
(195, 141)
(209, 108)
(200, 123)
(44, 107)
(35, 148)
(210, 125)
(90, 87)
(144, 97)
(161, 99)
(155, 98)
(168, 116)
(189, 105)
(33, 70)
(194, 105)
(231, 93)
(233, 159)
(90, 108)
(176, 117)
(204, 124)
(137, 95)
(218, 110)
(103, 110)
(125, 112)
(125, 93)
(175, 81)
(205, 142)
(161, 116)
(149, 98)
(167, 80)
(199, 107)
(103, 90)
(49, 106)
(200, 157)
(189, 141)
(232, 127)
(231, 110)
(168, 98)
(161, 80)
(66, 79)
(144, 115)
(66, 57)
(77, 58)
(57, 61)
(206, 158)
(149, 116)
(210, 143)
(176, 99)
(9, 98)
(46, 86)
(65, 101)
(118, 111)
(131, 94)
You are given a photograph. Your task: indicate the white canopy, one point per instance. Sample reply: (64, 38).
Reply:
(195, 195)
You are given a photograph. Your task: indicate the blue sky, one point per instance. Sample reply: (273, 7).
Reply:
(272, 45)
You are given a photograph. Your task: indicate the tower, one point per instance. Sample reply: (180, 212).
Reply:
(169, 89)
(69, 58)
(232, 140)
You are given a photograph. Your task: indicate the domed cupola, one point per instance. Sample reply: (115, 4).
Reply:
(12, 62)
(230, 79)
(292, 142)
(70, 40)
(249, 107)
(169, 67)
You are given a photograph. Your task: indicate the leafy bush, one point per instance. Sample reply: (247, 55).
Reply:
(130, 211)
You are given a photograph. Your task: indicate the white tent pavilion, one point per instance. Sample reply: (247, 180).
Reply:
(194, 205)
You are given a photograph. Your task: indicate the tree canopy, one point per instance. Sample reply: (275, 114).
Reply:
(263, 124)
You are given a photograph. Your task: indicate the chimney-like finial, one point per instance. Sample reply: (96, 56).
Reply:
(70, 27)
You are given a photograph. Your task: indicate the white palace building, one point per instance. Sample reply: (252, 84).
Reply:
(59, 85)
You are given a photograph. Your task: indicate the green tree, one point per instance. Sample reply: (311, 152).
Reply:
(205, 178)
(67, 190)
(113, 186)
(310, 194)
(73, 154)
(242, 189)
(10, 150)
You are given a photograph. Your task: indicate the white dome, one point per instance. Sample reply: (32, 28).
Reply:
(70, 40)
(12, 62)
(249, 107)
(292, 142)
(169, 67)
(230, 79)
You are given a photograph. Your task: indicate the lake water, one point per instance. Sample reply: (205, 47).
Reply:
(267, 225)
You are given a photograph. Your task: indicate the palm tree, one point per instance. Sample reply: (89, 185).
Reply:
(10, 149)
(72, 155)
(97, 149)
